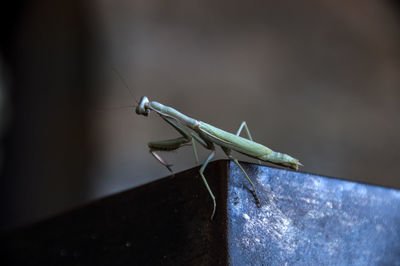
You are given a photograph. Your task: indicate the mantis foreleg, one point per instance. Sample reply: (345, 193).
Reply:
(244, 125)
(166, 145)
(186, 134)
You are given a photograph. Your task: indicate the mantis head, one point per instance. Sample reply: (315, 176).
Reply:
(143, 106)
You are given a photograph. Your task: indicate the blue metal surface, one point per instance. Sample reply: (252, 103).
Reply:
(307, 219)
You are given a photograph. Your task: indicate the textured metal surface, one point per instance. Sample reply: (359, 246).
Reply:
(307, 219)
(304, 220)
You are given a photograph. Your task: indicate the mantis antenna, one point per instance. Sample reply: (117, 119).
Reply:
(125, 84)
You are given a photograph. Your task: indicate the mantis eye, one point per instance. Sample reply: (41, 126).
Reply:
(142, 108)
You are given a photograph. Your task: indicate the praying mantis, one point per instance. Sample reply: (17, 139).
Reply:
(208, 136)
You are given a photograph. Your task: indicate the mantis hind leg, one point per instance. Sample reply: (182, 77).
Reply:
(209, 158)
(254, 192)
(244, 125)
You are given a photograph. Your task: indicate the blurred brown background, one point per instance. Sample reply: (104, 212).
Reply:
(318, 80)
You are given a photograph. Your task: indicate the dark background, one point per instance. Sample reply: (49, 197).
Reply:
(318, 80)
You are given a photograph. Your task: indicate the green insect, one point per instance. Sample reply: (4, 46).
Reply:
(208, 136)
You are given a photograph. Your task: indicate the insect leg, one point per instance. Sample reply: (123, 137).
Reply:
(244, 125)
(209, 158)
(161, 160)
(185, 133)
(203, 143)
(195, 151)
(228, 153)
(166, 145)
